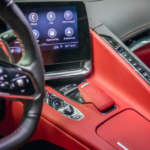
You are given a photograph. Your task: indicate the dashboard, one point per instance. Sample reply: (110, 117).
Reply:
(62, 33)
(68, 47)
(60, 29)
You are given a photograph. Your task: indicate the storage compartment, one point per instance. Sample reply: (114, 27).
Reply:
(127, 130)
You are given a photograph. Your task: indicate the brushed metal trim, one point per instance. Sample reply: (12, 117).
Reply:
(73, 89)
(69, 73)
(82, 86)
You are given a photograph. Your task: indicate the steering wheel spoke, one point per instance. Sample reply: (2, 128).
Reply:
(15, 82)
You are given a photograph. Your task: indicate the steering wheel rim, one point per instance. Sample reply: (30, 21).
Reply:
(31, 64)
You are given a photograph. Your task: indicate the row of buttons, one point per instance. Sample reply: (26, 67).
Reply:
(15, 82)
(62, 106)
(134, 63)
(52, 33)
(51, 16)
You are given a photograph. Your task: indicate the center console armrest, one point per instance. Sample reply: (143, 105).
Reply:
(92, 94)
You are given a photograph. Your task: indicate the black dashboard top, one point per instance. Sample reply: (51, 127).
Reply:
(123, 17)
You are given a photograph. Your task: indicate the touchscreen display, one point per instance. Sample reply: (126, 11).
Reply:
(61, 30)
(54, 28)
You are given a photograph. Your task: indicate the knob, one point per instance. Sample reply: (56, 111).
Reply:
(57, 103)
(68, 110)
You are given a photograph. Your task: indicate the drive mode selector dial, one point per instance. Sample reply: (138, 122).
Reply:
(57, 103)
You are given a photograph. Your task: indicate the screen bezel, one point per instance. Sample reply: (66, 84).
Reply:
(83, 52)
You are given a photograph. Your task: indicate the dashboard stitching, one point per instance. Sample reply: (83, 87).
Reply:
(124, 37)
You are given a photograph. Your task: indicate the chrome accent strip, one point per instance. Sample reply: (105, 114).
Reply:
(9, 3)
(73, 89)
(82, 86)
(69, 73)
(122, 146)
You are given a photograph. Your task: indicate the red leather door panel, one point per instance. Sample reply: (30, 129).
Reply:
(143, 53)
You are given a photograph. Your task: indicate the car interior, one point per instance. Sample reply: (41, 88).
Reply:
(74, 74)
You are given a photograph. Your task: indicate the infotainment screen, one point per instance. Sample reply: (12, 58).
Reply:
(60, 29)
(54, 28)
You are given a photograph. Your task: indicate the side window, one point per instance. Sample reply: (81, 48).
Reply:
(140, 46)
(138, 41)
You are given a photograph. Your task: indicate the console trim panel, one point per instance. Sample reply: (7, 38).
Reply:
(77, 115)
(69, 73)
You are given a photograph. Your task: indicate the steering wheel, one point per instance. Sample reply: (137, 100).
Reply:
(23, 81)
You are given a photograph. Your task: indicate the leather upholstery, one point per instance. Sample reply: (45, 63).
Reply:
(117, 79)
(94, 95)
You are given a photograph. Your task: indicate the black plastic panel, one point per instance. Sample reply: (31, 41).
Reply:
(65, 66)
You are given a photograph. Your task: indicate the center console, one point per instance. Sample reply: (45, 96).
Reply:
(62, 33)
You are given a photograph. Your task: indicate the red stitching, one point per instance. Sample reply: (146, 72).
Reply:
(134, 32)
(8, 136)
